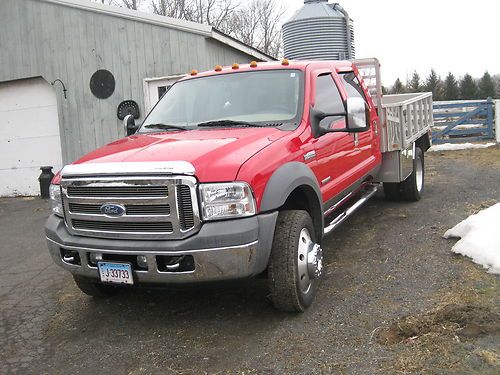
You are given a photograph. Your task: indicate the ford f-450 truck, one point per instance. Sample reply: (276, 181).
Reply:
(236, 173)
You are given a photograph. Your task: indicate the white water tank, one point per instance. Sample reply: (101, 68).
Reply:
(319, 31)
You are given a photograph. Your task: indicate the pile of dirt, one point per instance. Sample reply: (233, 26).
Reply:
(465, 321)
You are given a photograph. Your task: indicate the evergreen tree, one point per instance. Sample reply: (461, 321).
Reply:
(414, 85)
(486, 86)
(451, 90)
(398, 87)
(468, 88)
(435, 85)
(497, 86)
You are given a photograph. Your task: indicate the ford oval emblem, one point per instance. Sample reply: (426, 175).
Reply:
(113, 210)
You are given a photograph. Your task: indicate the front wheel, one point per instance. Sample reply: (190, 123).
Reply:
(296, 262)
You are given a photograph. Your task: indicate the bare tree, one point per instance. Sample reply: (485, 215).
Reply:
(255, 22)
(212, 12)
(106, 2)
(259, 25)
(173, 8)
(130, 4)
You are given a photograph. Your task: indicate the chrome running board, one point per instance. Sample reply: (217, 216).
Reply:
(343, 216)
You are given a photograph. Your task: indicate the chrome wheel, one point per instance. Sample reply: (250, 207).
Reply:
(309, 262)
(419, 175)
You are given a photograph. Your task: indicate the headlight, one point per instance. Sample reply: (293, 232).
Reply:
(56, 200)
(225, 201)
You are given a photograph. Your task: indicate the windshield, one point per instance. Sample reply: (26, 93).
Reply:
(258, 98)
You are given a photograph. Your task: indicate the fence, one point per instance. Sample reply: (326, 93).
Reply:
(466, 120)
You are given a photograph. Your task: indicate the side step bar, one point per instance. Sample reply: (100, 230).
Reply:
(343, 216)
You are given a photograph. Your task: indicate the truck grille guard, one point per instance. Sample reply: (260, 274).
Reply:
(111, 201)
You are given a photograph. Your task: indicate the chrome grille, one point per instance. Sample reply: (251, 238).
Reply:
(152, 227)
(95, 209)
(155, 207)
(117, 191)
(185, 204)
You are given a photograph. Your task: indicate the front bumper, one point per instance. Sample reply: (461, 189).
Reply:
(225, 250)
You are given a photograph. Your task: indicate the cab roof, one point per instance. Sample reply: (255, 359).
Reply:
(285, 64)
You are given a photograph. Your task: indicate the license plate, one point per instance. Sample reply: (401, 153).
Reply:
(117, 273)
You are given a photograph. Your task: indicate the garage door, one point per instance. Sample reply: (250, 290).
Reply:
(29, 135)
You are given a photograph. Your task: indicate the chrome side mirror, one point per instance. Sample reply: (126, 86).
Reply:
(356, 115)
(129, 125)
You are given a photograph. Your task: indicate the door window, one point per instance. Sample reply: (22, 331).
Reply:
(352, 85)
(354, 89)
(328, 100)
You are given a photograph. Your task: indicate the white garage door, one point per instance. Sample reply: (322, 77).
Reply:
(29, 135)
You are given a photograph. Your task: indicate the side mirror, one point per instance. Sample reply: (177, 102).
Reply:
(356, 115)
(317, 116)
(129, 125)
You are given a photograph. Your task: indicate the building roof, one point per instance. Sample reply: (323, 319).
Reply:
(172, 23)
(318, 9)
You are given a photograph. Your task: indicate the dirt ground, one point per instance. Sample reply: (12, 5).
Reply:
(395, 300)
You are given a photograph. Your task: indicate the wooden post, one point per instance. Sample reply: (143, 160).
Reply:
(497, 120)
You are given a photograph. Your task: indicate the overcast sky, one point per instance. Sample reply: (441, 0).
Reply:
(446, 35)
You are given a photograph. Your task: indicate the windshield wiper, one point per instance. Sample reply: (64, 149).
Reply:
(232, 123)
(164, 126)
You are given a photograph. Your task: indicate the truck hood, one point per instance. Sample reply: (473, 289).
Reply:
(216, 154)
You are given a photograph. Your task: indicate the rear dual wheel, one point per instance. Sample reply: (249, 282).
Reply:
(296, 262)
(412, 188)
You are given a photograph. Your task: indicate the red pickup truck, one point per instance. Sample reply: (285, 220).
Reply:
(236, 173)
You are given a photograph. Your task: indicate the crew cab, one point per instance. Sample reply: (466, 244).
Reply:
(236, 173)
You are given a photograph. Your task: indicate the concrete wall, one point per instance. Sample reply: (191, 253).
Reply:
(54, 41)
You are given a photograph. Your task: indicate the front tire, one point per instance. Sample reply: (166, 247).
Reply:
(296, 262)
(93, 288)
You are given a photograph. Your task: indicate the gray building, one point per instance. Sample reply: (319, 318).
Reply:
(67, 65)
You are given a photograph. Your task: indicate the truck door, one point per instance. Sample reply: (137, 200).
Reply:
(365, 143)
(334, 151)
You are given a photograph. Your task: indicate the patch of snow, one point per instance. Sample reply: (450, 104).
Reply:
(459, 146)
(479, 238)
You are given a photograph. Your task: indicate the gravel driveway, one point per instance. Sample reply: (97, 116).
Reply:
(388, 264)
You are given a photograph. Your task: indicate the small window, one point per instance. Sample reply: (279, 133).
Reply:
(162, 90)
(352, 85)
(354, 89)
(328, 100)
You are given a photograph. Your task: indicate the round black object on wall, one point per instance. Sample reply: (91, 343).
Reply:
(128, 107)
(102, 84)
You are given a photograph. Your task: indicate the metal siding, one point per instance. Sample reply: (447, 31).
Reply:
(59, 42)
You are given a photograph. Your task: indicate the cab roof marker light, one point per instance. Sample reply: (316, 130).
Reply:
(236, 66)
(285, 62)
(194, 72)
(253, 64)
(218, 68)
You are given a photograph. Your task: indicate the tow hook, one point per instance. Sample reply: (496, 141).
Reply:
(315, 262)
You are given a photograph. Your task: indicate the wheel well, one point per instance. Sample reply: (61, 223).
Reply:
(304, 198)
(423, 142)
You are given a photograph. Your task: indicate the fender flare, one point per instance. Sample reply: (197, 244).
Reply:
(284, 181)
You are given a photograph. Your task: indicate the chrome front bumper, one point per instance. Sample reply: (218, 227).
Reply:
(242, 251)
